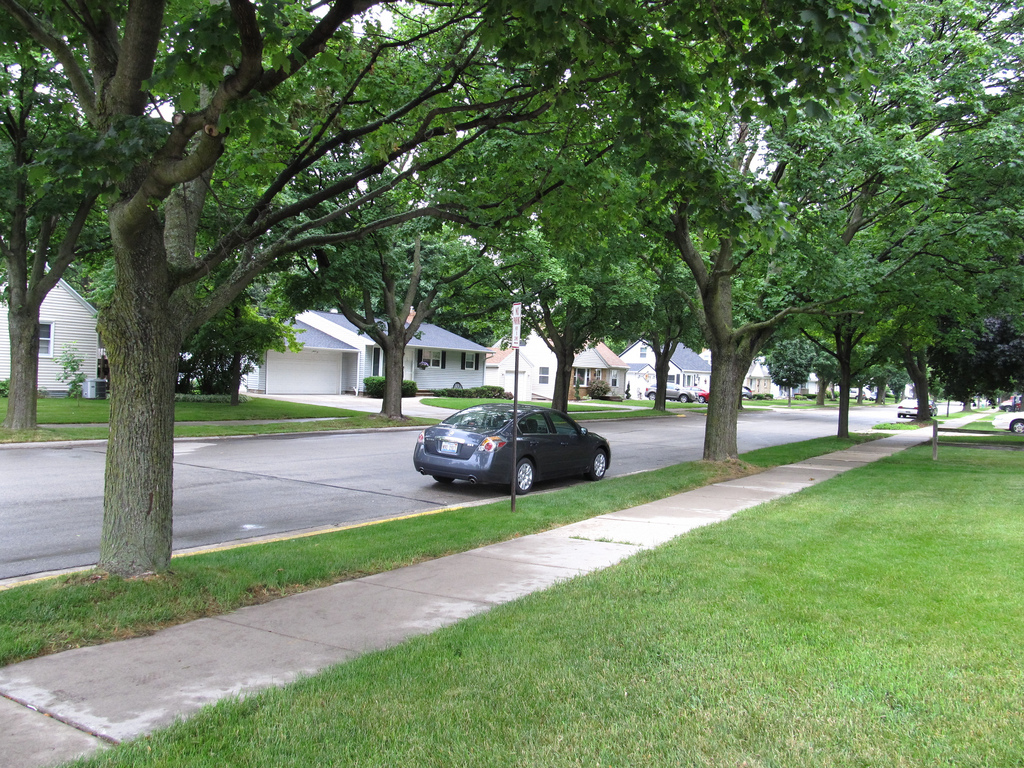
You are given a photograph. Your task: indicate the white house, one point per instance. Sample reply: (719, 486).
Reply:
(595, 362)
(336, 357)
(65, 319)
(686, 368)
(500, 371)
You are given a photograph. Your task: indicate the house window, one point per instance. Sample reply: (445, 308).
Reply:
(435, 358)
(643, 351)
(468, 361)
(46, 339)
(583, 376)
(615, 379)
(542, 375)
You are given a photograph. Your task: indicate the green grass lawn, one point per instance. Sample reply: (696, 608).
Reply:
(64, 412)
(68, 612)
(873, 620)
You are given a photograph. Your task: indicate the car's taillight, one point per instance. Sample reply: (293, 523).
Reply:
(491, 444)
(420, 438)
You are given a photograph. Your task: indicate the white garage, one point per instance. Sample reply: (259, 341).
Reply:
(309, 372)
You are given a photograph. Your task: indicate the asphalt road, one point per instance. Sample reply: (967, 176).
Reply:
(51, 498)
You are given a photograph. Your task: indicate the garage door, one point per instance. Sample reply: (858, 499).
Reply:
(309, 372)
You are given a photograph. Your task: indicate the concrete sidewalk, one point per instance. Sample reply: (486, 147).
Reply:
(62, 706)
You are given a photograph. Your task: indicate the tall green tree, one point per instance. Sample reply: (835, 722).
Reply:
(318, 118)
(45, 206)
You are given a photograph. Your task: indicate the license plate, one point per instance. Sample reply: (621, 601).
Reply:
(448, 447)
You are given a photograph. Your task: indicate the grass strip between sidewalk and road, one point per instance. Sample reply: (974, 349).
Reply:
(872, 620)
(90, 608)
(69, 419)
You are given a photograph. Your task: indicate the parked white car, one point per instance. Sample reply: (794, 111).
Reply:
(907, 409)
(1013, 421)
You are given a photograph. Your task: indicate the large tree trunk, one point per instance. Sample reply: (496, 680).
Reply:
(23, 322)
(143, 336)
(662, 357)
(729, 365)
(394, 373)
(916, 362)
(563, 380)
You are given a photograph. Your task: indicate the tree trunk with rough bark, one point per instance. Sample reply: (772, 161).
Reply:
(730, 362)
(143, 336)
(23, 322)
(916, 361)
(394, 374)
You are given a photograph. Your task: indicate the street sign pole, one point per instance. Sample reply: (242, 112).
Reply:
(517, 314)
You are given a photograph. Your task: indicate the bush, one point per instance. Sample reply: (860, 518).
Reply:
(767, 396)
(181, 397)
(488, 391)
(374, 387)
(5, 388)
(599, 388)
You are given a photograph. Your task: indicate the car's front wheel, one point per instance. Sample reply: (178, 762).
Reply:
(701, 399)
(524, 476)
(598, 466)
(684, 398)
(1017, 427)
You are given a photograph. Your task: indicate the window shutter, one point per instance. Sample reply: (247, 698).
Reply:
(419, 356)
(463, 361)
(476, 361)
(444, 358)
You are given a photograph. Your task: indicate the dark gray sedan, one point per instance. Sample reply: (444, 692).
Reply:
(475, 445)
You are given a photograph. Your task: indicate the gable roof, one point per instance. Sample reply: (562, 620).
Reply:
(430, 336)
(685, 359)
(599, 356)
(311, 338)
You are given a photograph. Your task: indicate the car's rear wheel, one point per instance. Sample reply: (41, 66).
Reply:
(1017, 427)
(524, 476)
(598, 466)
(650, 395)
(444, 480)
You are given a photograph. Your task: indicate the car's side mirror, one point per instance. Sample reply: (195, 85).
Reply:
(583, 430)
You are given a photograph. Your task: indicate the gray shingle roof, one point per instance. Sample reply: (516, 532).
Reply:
(311, 338)
(688, 360)
(430, 336)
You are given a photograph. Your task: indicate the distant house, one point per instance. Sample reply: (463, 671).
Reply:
(65, 319)
(686, 368)
(595, 362)
(336, 357)
(500, 371)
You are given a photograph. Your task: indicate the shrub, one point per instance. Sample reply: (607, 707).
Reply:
(181, 397)
(5, 388)
(374, 386)
(488, 391)
(599, 388)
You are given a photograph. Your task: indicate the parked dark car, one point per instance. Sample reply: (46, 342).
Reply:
(475, 445)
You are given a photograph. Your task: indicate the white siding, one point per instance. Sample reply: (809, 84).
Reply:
(74, 322)
(452, 372)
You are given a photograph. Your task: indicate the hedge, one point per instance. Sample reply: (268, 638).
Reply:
(374, 387)
(488, 391)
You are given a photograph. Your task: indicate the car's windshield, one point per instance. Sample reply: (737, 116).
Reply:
(479, 420)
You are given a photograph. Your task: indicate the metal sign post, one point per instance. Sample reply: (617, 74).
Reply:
(517, 315)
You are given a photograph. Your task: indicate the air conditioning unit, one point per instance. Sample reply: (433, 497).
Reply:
(94, 389)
